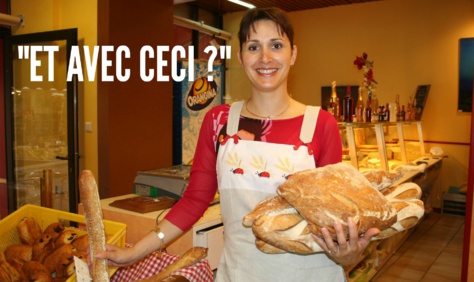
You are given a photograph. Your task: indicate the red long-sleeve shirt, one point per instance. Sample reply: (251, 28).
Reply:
(202, 186)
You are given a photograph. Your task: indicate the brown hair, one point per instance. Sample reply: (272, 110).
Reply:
(278, 16)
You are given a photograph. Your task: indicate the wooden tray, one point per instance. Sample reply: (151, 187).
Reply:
(144, 204)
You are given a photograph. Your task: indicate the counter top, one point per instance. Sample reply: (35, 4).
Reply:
(139, 224)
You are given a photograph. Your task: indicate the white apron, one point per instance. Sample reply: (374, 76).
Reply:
(249, 172)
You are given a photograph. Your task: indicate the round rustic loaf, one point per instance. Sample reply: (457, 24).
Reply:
(335, 193)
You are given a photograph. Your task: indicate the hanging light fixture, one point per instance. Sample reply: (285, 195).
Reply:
(242, 3)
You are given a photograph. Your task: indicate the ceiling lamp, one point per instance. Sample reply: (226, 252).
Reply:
(242, 3)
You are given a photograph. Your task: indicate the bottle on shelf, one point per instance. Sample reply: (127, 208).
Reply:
(381, 113)
(359, 110)
(408, 111)
(375, 108)
(397, 108)
(368, 112)
(402, 113)
(348, 106)
(338, 109)
(332, 106)
(414, 110)
(387, 113)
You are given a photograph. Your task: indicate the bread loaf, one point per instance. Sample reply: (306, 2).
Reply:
(267, 248)
(271, 206)
(405, 198)
(335, 193)
(288, 232)
(381, 179)
(404, 191)
(409, 214)
(192, 256)
(94, 224)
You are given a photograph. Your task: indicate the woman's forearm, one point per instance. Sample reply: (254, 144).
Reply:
(151, 242)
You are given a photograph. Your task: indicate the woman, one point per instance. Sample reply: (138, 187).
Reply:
(246, 150)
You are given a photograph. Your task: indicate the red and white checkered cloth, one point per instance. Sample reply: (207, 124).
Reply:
(153, 264)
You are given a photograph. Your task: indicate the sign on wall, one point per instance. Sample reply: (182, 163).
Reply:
(466, 74)
(191, 101)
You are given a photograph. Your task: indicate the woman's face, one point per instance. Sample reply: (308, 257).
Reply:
(267, 56)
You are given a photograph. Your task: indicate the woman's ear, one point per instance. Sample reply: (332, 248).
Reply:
(294, 52)
(239, 57)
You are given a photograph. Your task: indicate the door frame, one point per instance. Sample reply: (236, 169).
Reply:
(70, 35)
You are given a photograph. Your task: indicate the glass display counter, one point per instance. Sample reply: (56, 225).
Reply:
(384, 145)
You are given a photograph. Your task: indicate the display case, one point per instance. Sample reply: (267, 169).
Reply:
(384, 145)
(388, 146)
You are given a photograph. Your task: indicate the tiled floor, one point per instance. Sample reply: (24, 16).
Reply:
(433, 252)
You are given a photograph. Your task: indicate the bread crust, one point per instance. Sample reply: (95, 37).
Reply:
(381, 179)
(271, 206)
(288, 232)
(335, 193)
(29, 230)
(52, 261)
(192, 256)
(95, 226)
(22, 252)
(81, 243)
(42, 248)
(65, 237)
(35, 271)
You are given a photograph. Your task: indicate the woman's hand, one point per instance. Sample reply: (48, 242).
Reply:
(117, 256)
(345, 252)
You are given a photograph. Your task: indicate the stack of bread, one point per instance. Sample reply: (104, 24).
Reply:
(42, 254)
(312, 199)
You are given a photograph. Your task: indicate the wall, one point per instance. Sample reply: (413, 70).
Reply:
(412, 42)
(47, 15)
(135, 125)
(135, 117)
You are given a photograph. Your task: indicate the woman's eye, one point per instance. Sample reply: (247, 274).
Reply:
(253, 47)
(277, 46)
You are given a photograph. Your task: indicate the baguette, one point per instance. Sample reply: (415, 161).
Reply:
(192, 256)
(94, 224)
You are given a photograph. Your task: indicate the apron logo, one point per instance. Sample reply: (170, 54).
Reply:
(201, 94)
(286, 166)
(260, 164)
(234, 160)
(237, 171)
(264, 174)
